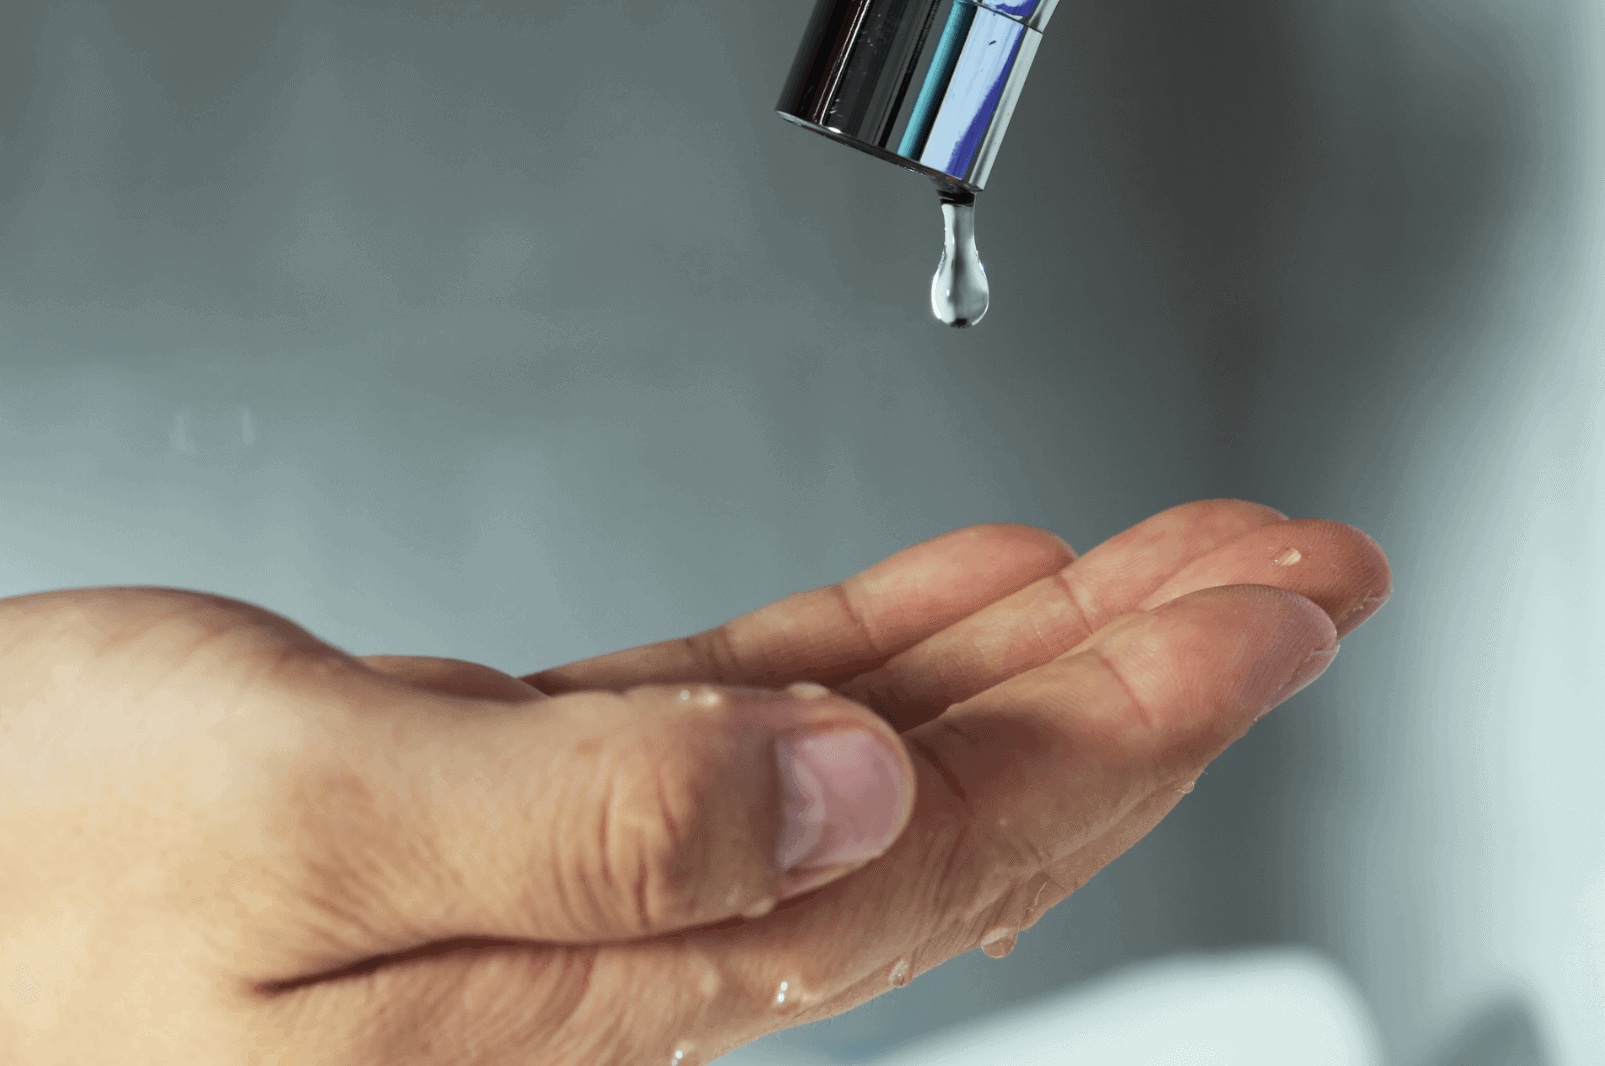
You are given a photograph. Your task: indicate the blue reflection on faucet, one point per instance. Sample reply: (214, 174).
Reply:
(974, 88)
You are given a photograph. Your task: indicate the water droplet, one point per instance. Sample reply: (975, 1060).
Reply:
(1000, 942)
(780, 993)
(677, 1058)
(685, 693)
(702, 973)
(959, 291)
(807, 690)
(759, 909)
(1289, 557)
(901, 971)
(1188, 787)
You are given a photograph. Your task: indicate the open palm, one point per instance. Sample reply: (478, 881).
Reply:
(1055, 709)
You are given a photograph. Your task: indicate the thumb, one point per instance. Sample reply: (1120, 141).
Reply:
(603, 816)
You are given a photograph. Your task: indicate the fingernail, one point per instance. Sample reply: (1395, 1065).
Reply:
(844, 795)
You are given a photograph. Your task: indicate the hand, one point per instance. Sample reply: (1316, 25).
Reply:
(226, 841)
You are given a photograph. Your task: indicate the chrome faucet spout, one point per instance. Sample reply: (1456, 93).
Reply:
(929, 85)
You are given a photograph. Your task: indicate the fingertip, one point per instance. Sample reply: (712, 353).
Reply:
(1305, 621)
(804, 709)
(845, 781)
(1380, 570)
(1300, 610)
(1231, 508)
(1285, 626)
(1367, 577)
(1246, 507)
(848, 797)
(1024, 540)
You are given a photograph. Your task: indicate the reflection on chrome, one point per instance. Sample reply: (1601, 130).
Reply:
(927, 84)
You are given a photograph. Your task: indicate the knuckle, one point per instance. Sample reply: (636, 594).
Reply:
(716, 649)
(1129, 725)
(143, 631)
(1071, 584)
(650, 839)
(858, 616)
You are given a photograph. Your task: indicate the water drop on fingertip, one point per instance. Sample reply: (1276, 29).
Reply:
(1000, 942)
(759, 909)
(901, 972)
(1188, 787)
(960, 294)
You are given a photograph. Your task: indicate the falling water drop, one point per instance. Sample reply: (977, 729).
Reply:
(901, 971)
(1000, 942)
(959, 291)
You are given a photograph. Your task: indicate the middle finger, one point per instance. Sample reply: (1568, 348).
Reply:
(1045, 619)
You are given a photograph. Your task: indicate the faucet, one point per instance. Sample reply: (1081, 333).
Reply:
(872, 75)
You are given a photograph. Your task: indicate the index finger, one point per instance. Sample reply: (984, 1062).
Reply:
(831, 633)
(838, 632)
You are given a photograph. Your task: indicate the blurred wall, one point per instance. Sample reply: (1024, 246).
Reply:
(521, 333)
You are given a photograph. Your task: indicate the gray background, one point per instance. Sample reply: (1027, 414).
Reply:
(521, 333)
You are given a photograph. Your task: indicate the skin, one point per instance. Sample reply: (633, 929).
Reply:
(229, 842)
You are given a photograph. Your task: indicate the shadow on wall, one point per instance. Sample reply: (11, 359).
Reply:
(1502, 1034)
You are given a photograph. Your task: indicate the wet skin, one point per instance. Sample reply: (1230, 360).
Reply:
(239, 844)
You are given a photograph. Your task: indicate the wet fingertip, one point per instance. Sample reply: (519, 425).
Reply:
(1305, 675)
(1362, 612)
(1245, 505)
